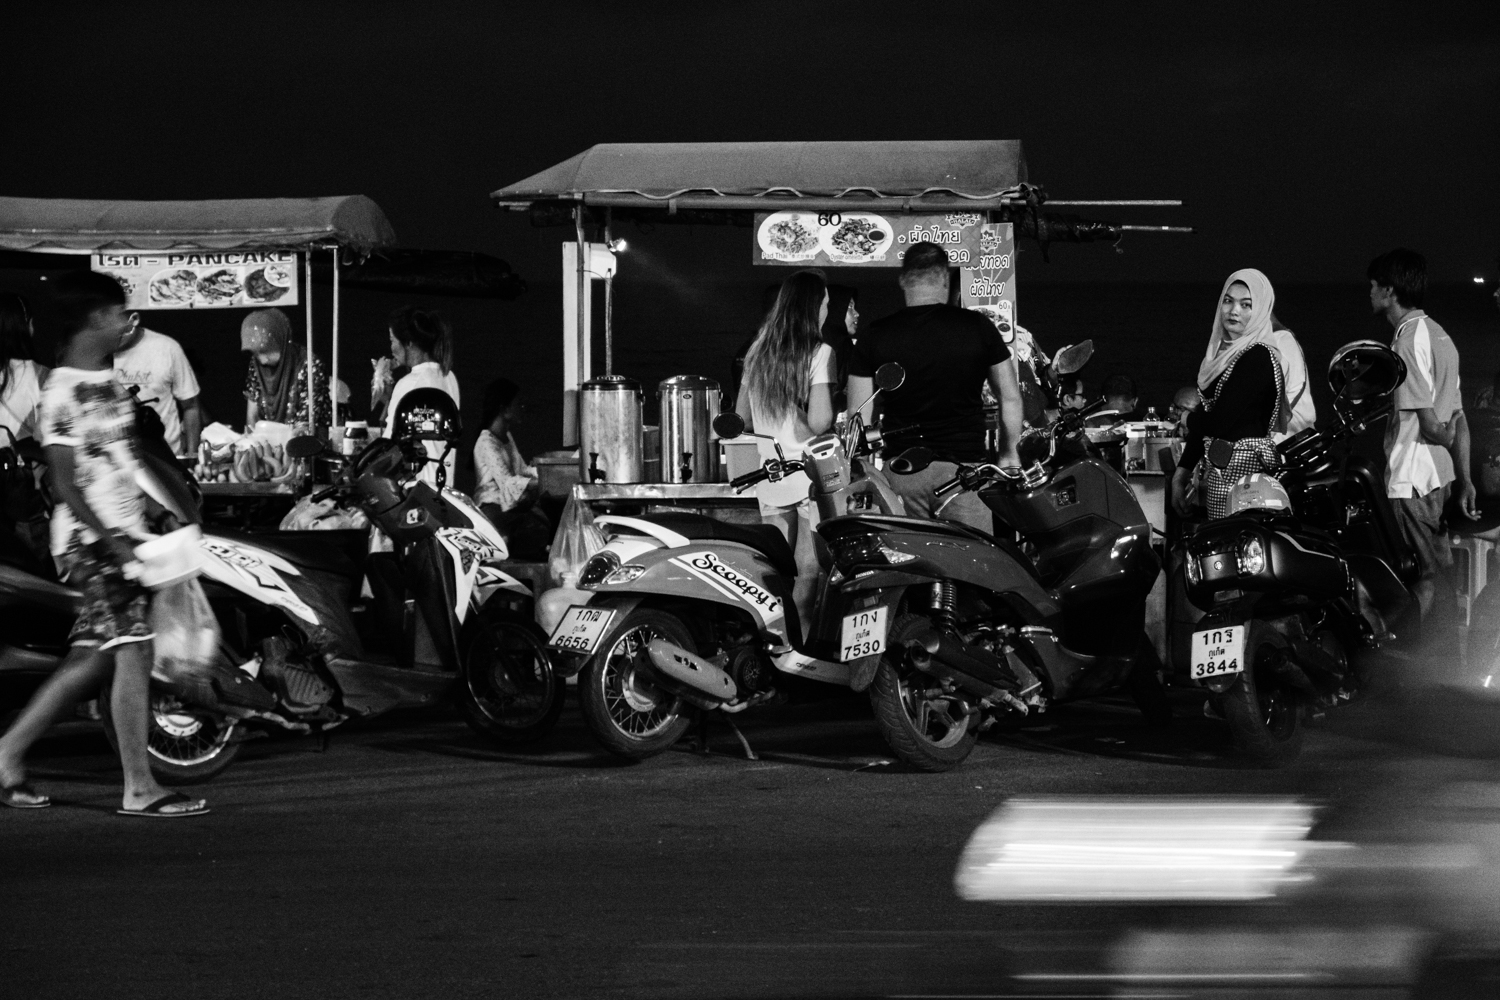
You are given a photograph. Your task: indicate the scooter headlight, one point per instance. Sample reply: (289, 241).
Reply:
(1194, 570)
(628, 573)
(1251, 555)
(599, 566)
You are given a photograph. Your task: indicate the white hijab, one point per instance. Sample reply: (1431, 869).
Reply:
(1296, 411)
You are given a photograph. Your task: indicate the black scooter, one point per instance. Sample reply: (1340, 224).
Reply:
(970, 628)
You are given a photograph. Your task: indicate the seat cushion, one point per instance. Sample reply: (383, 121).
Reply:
(766, 539)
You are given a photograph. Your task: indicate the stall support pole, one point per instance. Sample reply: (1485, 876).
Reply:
(609, 298)
(307, 295)
(333, 377)
(583, 311)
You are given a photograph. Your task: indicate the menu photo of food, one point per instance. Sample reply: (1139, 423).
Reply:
(857, 238)
(268, 283)
(219, 286)
(789, 236)
(173, 287)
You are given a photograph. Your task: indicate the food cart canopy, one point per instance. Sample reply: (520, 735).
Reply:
(739, 176)
(78, 226)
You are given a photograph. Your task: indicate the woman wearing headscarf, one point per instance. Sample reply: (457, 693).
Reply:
(276, 385)
(1244, 382)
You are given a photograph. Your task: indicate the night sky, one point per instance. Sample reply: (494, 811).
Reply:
(1301, 143)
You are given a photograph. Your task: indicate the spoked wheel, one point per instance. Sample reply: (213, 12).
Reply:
(925, 726)
(507, 688)
(185, 743)
(623, 706)
(1263, 710)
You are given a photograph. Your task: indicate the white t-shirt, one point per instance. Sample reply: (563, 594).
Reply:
(791, 490)
(427, 375)
(1414, 468)
(19, 402)
(91, 413)
(156, 364)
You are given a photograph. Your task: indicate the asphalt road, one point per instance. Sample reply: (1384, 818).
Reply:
(411, 859)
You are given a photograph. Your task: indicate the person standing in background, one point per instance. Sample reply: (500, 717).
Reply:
(506, 487)
(421, 342)
(1427, 439)
(155, 366)
(21, 377)
(276, 384)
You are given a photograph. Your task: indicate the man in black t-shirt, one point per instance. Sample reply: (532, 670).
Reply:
(948, 353)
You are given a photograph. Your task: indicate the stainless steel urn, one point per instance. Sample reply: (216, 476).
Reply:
(689, 449)
(609, 430)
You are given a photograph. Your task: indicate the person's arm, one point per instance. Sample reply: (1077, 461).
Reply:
(1468, 500)
(192, 424)
(1007, 390)
(1436, 431)
(820, 408)
(61, 477)
(860, 393)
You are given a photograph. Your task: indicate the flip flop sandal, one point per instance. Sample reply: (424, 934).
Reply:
(153, 810)
(23, 796)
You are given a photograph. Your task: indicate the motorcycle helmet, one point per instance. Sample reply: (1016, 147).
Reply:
(427, 415)
(1258, 491)
(1365, 370)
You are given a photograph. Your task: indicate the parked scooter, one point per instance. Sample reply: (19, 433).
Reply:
(688, 612)
(1297, 583)
(966, 628)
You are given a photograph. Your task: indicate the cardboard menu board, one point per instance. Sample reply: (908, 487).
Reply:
(988, 281)
(240, 279)
(803, 238)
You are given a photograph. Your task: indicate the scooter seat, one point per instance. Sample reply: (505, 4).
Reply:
(766, 539)
(340, 552)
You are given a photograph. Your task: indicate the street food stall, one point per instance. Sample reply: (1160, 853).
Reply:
(210, 255)
(806, 204)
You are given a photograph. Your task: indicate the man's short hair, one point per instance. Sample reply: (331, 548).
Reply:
(77, 295)
(924, 261)
(1119, 387)
(1404, 272)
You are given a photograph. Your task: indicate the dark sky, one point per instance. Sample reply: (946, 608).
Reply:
(1302, 143)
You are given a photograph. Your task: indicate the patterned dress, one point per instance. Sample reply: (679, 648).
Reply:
(296, 402)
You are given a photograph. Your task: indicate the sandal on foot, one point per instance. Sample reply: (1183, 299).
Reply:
(23, 796)
(154, 810)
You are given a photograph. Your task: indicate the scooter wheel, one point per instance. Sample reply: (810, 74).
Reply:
(1264, 713)
(926, 733)
(507, 688)
(624, 710)
(184, 743)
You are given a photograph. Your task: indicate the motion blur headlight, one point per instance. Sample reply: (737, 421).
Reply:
(628, 573)
(599, 566)
(1251, 555)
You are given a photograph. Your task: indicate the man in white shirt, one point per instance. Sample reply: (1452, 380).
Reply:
(1427, 438)
(155, 364)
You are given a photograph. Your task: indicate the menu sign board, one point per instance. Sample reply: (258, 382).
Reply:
(988, 281)
(203, 279)
(861, 239)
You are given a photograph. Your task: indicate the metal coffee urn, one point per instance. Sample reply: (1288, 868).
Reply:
(689, 450)
(609, 430)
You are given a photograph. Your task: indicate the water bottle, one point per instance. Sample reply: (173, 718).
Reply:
(1151, 416)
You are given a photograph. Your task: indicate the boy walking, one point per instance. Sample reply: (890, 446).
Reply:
(88, 431)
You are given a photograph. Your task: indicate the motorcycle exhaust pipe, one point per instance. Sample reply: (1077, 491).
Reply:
(689, 675)
(979, 664)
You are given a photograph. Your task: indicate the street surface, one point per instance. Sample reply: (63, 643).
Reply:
(411, 859)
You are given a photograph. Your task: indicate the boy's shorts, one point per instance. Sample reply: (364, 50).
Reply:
(113, 609)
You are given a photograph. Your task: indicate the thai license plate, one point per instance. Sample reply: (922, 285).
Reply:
(863, 634)
(581, 629)
(1218, 651)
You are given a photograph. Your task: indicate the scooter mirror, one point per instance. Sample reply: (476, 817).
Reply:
(912, 460)
(1073, 357)
(729, 425)
(304, 446)
(890, 376)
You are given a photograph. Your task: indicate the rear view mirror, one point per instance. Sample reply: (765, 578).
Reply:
(1072, 358)
(911, 461)
(729, 425)
(890, 376)
(304, 446)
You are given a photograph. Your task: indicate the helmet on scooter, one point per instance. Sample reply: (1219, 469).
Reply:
(427, 415)
(1258, 491)
(1365, 369)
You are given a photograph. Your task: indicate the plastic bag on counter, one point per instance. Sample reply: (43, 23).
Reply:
(187, 634)
(325, 515)
(576, 539)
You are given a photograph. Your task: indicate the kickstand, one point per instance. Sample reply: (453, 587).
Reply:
(700, 740)
(323, 742)
(749, 753)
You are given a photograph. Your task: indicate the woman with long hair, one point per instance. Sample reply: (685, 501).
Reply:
(421, 342)
(787, 395)
(21, 376)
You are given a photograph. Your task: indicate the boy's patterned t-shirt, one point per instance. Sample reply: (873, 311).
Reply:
(92, 413)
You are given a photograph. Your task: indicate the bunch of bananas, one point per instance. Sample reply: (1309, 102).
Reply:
(248, 460)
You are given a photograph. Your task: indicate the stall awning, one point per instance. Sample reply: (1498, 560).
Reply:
(740, 176)
(78, 226)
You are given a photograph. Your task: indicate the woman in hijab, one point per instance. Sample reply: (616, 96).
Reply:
(1244, 382)
(276, 385)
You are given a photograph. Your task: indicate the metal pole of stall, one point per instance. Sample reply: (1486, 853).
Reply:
(333, 378)
(583, 300)
(307, 295)
(609, 299)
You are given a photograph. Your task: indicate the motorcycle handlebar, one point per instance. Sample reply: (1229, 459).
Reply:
(943, 489)
(742, 483)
